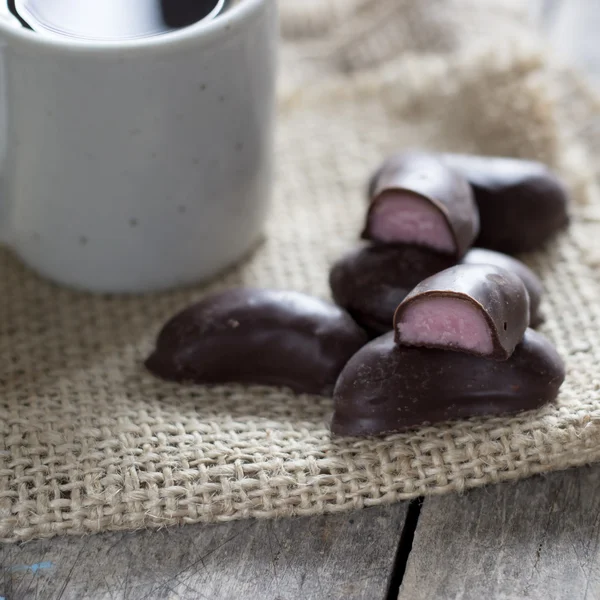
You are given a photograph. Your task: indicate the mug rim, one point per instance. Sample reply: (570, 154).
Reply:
(203, 30)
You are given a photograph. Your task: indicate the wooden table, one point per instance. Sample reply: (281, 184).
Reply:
(535, 539)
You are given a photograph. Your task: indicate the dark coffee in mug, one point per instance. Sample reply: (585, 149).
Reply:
(111, 20)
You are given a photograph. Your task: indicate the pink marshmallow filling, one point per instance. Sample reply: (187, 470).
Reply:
(401, 217)
(447, 322)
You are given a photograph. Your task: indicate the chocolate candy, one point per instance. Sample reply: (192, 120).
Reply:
(258, 336)
(370, 281)
(386, 388)
(418, 200)
(479, 309)
(522, 204)
(479, 256)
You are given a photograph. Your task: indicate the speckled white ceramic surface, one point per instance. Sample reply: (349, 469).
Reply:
(138, 165)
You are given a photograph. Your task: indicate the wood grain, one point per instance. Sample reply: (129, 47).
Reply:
(342, 556)
(538, 539)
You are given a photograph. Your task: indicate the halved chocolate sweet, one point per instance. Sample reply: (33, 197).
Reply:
(386, 388)
(370, 281)
(479, 309)
(258, 336)
(535, 289)
(417, 199)
(522, 203)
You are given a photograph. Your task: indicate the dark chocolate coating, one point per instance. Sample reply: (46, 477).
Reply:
(535, 289)
(522, 203)
(498, 294)
(258, 336)
(426, 176)
(371, 280)
(386, 388)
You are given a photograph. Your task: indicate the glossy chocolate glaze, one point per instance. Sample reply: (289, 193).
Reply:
(535, 289)
(522, 203)
(386, 388)
(258, 336)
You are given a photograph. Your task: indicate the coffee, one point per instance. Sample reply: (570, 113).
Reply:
(111, 20)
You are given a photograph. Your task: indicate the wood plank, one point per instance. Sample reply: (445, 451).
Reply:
(343, 556)
(537, 539)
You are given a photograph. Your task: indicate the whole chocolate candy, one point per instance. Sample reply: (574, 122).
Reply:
(258, 336)
(370, 281)
(479, 309)
(521, 203)
(417, 199)
(535, 289)
(386, 388)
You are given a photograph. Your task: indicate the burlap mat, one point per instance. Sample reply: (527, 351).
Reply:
(90, 442)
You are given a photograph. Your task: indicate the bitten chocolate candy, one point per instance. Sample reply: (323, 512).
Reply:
(479, 256)
(417, 199)
(386, 388)
(370, 281)
(479, 309)
(521, 203)
(258, 336)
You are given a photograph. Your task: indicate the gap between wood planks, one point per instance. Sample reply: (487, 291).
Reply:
(404, 548)
(538, 538)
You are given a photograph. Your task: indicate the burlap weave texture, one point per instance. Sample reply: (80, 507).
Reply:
(90, 442)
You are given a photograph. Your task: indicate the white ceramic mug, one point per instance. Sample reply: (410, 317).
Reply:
(137, 165)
